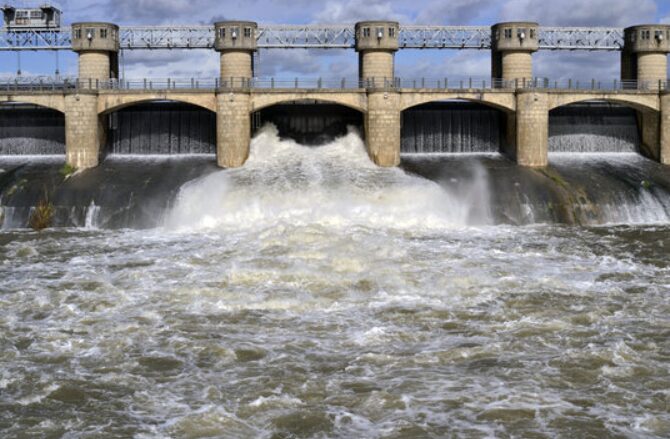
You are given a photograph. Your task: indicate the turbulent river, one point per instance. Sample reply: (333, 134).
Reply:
(312, 294)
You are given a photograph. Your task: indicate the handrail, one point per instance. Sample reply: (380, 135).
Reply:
(69, 84)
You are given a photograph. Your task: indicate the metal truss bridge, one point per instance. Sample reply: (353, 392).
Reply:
(319, 37)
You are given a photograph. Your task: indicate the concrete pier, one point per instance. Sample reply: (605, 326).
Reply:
(664, 135)
(382, 128)
(83, 131)
(532, 129)
(233, 129)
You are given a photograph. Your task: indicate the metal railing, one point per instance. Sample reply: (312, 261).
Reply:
(591, 84)
(69, 84)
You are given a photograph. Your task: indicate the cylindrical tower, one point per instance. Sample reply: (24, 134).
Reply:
(236, 41)
(645, 54)
(98, 46)
(512, 47)
(376, 44)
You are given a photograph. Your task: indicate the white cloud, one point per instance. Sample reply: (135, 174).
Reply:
(581, 12)
(351, 11)
(452, 12)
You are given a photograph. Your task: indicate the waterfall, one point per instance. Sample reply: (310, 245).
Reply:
(593, 127)
(30, 130)
(452, 127)
(162, 128)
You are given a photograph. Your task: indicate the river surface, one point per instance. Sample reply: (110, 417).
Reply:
(311, 294)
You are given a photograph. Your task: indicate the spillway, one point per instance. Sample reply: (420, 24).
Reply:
(161, 128)
(594, 127)
(31, 130)
(452, 127)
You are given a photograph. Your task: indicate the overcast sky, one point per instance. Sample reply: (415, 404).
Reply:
(342, 63)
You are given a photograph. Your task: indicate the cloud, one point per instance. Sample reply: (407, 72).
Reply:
(581, 12)
(449, 64)
(452, 12)
(351, 11)
(288, 63)
(583, 66)
(170, 64)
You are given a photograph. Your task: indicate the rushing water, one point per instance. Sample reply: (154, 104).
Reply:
(312, 294)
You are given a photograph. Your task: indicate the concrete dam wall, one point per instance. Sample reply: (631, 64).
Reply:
(170, 128)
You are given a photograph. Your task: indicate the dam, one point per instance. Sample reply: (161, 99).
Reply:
(95, 104)
(374, 257)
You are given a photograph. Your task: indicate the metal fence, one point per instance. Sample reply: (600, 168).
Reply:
(69, 84)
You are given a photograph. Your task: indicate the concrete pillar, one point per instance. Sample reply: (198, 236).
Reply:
(236, 42)
(84, 132)
(512, 47)
(532, 128)
(376, 44)
(664, 156)
(382, 128)
(645, 54)
(233, 129)
(97, 45)
(649, 122)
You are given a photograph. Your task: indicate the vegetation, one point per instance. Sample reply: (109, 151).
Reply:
(42, 216)
(67, 170)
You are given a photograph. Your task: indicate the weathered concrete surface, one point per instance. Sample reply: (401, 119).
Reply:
(111, 100)
(649, 125)
(94, 65)
(652, 68)
(236, 64)
(517, 65)
(526, 111)
(377, 65)
(233, 129)
(382, 128)
(83, 130)
(640, 100)
(53, 101)
(664, 146)
(502, 100)
(355, 98)
(532, 127)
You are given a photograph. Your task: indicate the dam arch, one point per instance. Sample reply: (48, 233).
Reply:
(354, 100)
(159, 127)
(108, 103)
(309, 122)
(454, 126)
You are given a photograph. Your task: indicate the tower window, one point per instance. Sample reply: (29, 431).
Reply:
(366, 32)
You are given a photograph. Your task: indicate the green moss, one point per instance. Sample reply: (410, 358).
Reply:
(67, 170)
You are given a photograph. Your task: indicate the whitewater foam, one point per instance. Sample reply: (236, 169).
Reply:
(335, 185)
